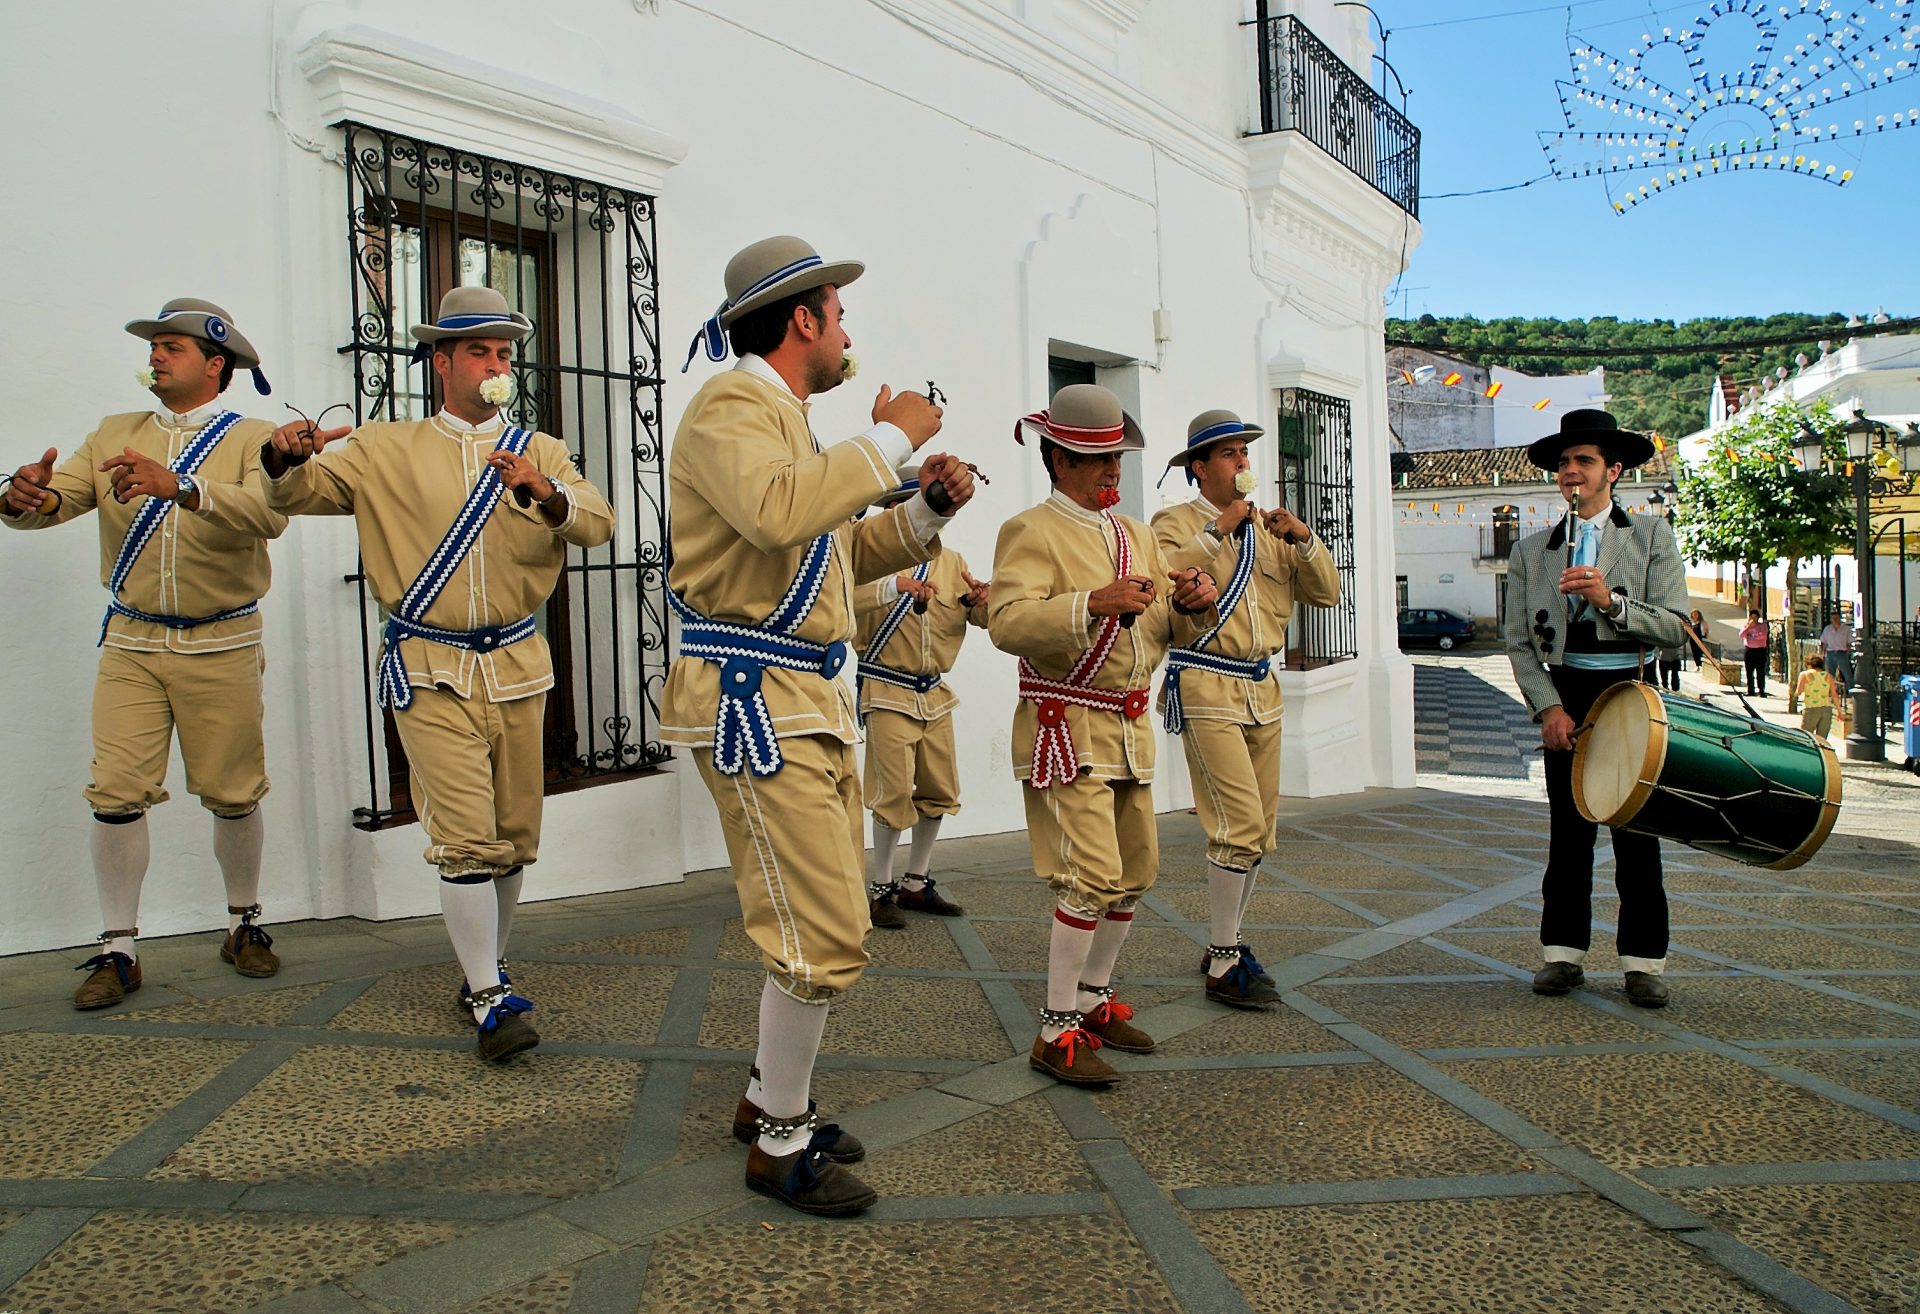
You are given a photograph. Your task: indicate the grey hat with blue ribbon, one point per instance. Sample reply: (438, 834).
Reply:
(762, 274)
(1206, 429)
(470, 312)
(202, 319)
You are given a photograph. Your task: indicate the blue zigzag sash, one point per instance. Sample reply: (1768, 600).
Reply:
(406, 620)
(743, 727)
(147, 519)
(1197, 658)
(870, 667)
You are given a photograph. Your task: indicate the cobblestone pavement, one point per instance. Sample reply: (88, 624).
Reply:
(1413, 1130)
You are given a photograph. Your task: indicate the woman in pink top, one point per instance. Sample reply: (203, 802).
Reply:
(1754, 636)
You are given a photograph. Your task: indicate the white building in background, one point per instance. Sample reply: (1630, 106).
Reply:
(1463, 488)
(1041, 191)
(1485, 406)
(1878, 376)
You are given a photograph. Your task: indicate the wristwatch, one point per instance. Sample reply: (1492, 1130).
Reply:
(188, 487)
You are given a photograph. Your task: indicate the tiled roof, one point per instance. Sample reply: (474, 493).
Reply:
(1476, 468)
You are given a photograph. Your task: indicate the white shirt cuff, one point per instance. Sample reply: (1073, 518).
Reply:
(895, 448)
(922, 521)
(890, 588)
(1306, 549)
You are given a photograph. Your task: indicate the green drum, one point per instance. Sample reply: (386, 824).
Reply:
(1712, 779)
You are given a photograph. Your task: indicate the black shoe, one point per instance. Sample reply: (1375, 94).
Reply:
(1254, 965)
(1558, 978)
(1646, 990)
(925, 900)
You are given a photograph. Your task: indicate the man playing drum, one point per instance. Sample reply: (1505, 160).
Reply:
(1084, 599)
(1582, 616)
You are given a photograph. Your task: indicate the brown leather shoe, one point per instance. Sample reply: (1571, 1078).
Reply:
(1112, 1021)
(808, 1181)
(836, 1143)
(1646, 989)
(1072, 1059)
(1558, 978)
(507, 1030)
(883, 912)
(249, 948)
(111, 978)
(1238, 987)
(926, 899)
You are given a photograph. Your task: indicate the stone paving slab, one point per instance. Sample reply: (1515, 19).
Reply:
(1411, 1130)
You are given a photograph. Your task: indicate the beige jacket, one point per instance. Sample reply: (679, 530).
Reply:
(1048, 560)
(749, 489)
(923, 645)
(1282, 574)
(403, 483)
(198, 563)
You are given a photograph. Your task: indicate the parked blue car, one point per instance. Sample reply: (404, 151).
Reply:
(1445, 629)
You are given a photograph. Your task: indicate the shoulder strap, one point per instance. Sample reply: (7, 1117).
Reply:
(460, 537)
(1236, 587)
(154, 510)
(884, 635)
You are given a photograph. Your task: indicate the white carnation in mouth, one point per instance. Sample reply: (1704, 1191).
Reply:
(1244, 482)
(849, 366)
(144, 376)
(498, 390)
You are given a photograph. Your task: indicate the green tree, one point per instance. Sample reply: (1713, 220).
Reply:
(1747, 502)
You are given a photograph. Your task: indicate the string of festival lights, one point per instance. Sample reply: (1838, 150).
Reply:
(1790, 105)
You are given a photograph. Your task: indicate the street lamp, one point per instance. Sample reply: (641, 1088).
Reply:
(1864, 743)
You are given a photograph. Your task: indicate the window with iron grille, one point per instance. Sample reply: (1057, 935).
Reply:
(576, 257)
(1316, 476)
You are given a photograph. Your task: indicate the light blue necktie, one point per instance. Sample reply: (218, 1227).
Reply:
(1586, 551)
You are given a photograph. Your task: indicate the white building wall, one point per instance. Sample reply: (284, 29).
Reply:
(1008, 185)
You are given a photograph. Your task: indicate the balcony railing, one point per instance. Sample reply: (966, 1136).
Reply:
(1306, 88)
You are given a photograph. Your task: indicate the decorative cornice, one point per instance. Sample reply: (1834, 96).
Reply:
(374, 77)
(1293, 372)
(1304, 194)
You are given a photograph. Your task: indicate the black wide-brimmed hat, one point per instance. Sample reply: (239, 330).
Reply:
(1628, 448)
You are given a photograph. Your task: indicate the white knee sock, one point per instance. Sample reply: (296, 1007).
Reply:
(237, 842)
(1226, 889)
(790, 1034)
(885, 840)
(473, 924)
(920, 857)
(1246, 898)
(1067, 950)
(1102, 955)
(120, 855)
(506, 898)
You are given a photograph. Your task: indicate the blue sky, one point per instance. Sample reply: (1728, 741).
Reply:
(1732, 244)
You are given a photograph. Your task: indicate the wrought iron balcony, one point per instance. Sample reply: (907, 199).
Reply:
(1306, 88)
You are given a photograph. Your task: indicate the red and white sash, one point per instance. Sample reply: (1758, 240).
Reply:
(1053, 754)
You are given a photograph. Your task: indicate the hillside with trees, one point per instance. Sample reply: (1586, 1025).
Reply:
(1657, 393)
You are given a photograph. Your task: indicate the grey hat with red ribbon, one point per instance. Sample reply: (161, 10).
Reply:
(1084, 418)
(470, 312)
(202, 319)
(762, 274)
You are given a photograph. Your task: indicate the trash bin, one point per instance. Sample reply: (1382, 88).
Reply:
(1910, 686)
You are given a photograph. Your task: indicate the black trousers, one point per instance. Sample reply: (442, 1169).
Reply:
(1567, 888)
(1756, 670)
